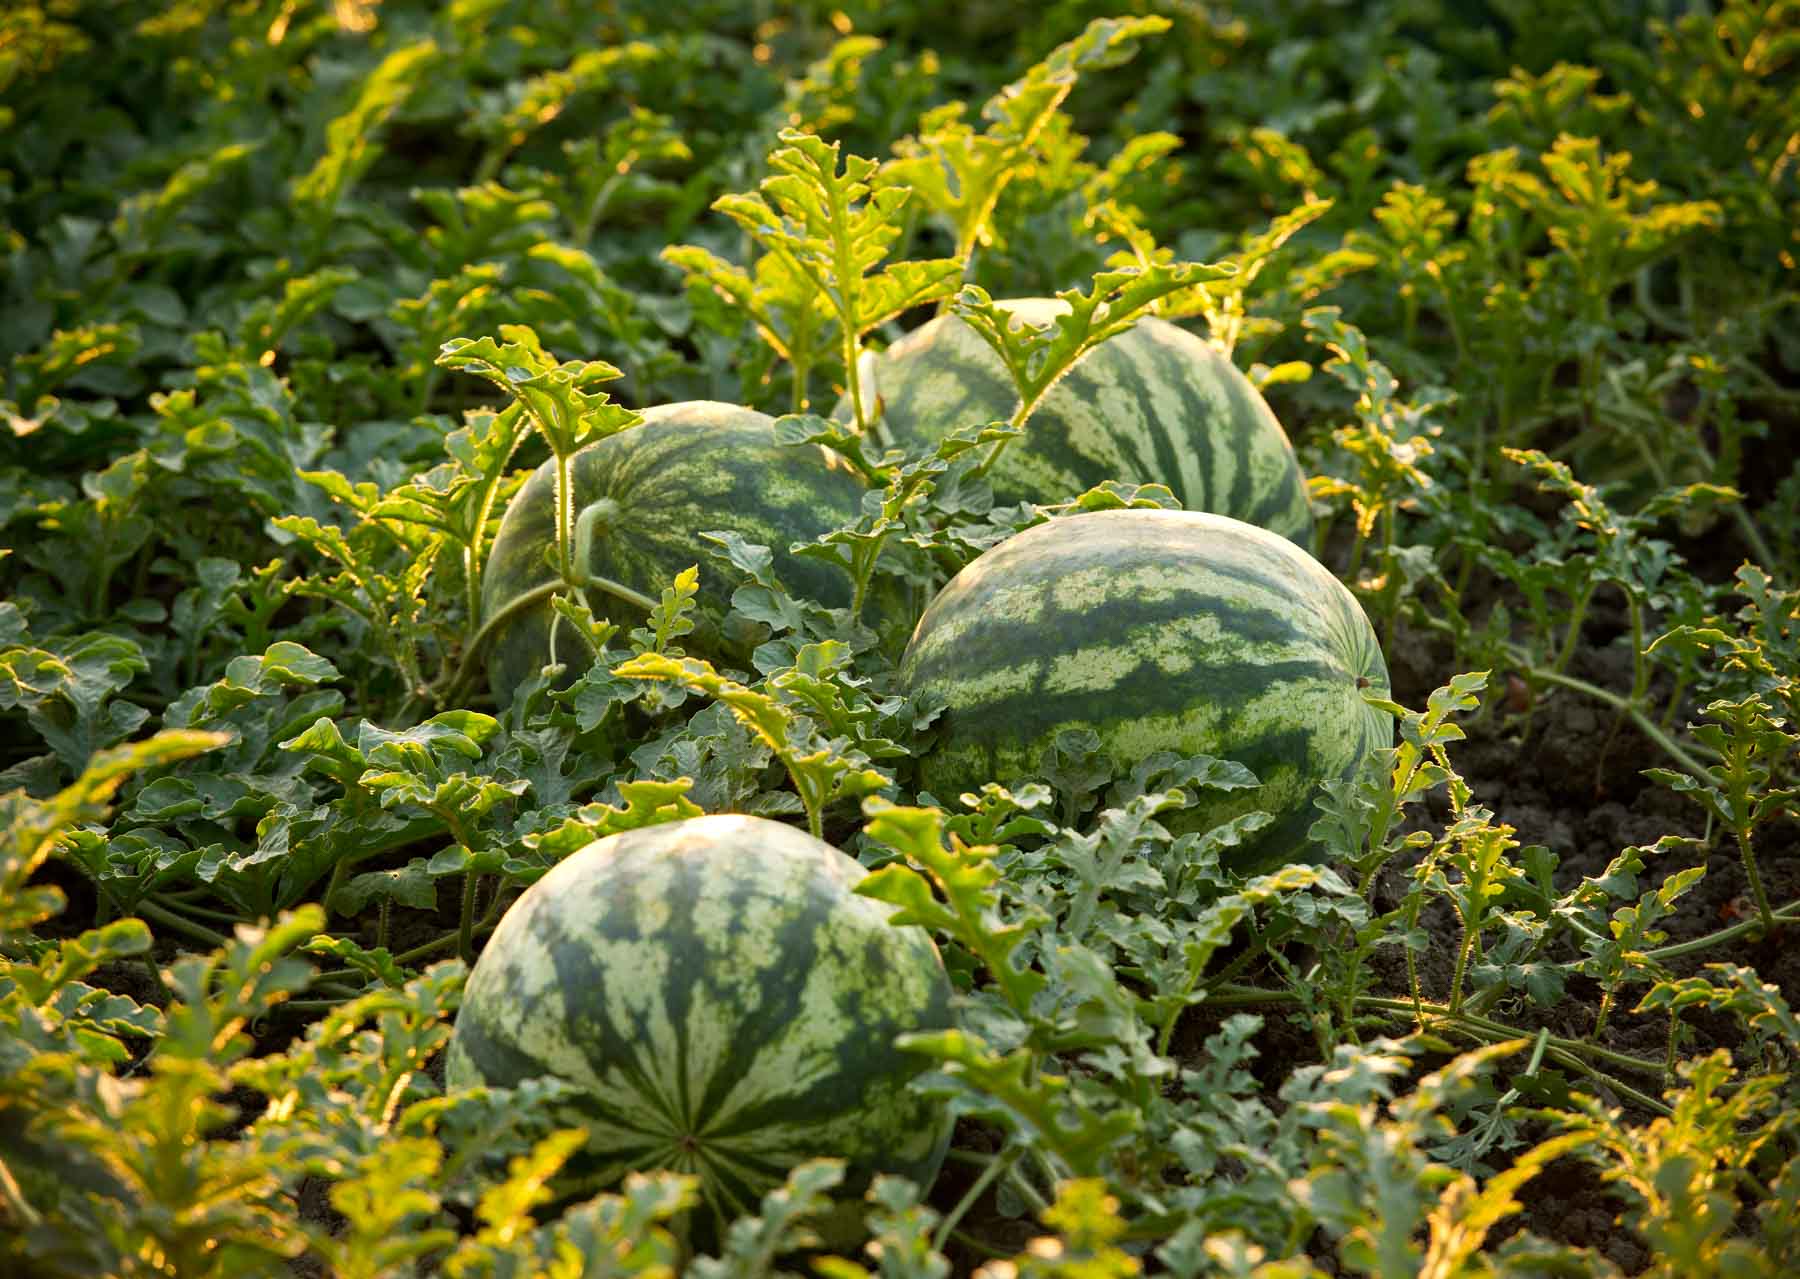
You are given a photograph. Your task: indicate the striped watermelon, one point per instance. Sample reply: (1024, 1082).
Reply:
(725, 1003)
(1159, 630)
(1154, 404)
(690, 468)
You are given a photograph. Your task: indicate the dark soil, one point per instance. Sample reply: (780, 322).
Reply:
(1562, 773)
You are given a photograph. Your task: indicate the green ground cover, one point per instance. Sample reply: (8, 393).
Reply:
(295, 294)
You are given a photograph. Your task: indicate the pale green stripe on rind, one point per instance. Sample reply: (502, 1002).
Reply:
(1154, 404)
(1158, 631)
(725, 1001)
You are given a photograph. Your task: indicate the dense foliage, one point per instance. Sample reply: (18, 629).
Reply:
(295, 294)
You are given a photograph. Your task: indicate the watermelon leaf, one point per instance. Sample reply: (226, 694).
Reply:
(832, 227)
(788, 1215)
(673, 616)
(556, 398)
(822, 770)
(555, 395)
(1223, 301)
(1036, 357)
(777, 297)
(959, 174)
(966, 877)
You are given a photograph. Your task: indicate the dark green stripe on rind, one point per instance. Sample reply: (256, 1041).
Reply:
(690, 468)
(1153, 404)
(1159, 631)
(726, 1003)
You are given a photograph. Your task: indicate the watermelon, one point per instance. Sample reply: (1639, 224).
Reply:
(691, 468)
(1154, 404)
(1160, 631)
(724, 1004)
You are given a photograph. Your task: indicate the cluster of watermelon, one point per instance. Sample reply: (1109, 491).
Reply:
(723, 1001)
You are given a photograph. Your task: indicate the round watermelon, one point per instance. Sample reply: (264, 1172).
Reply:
(1160, 631)
(1154, 404)
(650, 491)
(725, 1004)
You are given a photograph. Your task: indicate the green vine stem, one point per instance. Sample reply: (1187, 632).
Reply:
(1572, 635)
(1765, 917)
(1788, 914)
(523, 602)
(1607, 998)
(565, 513)
(1522, 662)
(1020, 415)
(590, 220)
(465, 929)
(1635, 713)
(176, 923)
(996, 1168)
(473, 565)
(1465, 945)
(436, 946)
(1573, 1053)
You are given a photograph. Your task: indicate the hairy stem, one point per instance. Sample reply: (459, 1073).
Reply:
(1573, 1050)
(465, 930)
(1765, 916)
(1783, 915)
(1465, 945)
(473, 564)
(1607, 997)
(565, 516)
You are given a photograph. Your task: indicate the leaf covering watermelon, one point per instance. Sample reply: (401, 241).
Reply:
(1154, 404)
(724, 1002)
(643, 497)
(1160, 631)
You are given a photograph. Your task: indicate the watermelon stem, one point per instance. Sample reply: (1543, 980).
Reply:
(1465, 946)
(1644, 723)
(526, 600)
(853, 377)
(1631, 709)
(565, 515)
(178, 923)
(1573, 1053)
(1572, 636)
(1020, 415)
(465, 929)
(1788, 914)
(474, 566)
(490, 920)
(997, 1166)
(1607, 998)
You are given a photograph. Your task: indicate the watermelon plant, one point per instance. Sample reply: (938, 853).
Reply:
(1153, 404)
(1156, 631)
(724, 1005)
(640, 501)
(302, 266)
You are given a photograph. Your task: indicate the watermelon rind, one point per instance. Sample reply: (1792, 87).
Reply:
(1159, 631)
(724, 1004)
(689, 468)
(1154, 404)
